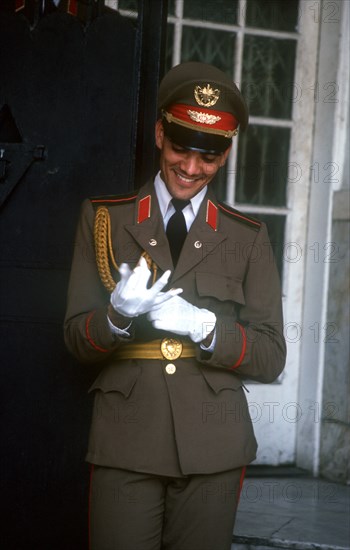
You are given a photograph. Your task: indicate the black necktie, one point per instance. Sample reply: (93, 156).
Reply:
(176, 229)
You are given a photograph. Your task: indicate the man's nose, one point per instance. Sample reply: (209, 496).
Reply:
(191, 164)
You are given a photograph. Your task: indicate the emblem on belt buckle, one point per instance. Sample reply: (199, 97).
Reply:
(171, 348)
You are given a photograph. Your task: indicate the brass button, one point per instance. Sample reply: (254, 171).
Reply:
(170, 368)
(198, 244)
(153, 242)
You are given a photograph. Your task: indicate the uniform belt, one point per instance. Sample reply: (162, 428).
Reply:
(168, 348)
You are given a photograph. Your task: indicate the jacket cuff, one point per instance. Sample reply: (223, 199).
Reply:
(99, 334)
(230, 345)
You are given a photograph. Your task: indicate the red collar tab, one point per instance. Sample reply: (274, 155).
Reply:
(212, 215)
(208, 120)
(144, 209)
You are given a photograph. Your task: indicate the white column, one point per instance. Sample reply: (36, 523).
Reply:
(323, 176)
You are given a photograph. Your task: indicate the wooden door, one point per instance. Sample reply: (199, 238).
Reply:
(70, 98)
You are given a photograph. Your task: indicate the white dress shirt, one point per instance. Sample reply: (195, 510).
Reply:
(166, 207)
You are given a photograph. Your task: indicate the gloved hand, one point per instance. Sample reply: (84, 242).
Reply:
(179, 316)
(131, 297)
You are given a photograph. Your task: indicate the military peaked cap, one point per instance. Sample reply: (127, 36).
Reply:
(201, 107)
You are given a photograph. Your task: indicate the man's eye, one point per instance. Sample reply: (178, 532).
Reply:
(177, 148)
(210, 159)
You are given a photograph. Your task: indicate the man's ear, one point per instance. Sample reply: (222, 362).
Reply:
(159, 134)
(224, 156)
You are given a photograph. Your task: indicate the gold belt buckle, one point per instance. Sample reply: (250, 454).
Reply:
(171, 348)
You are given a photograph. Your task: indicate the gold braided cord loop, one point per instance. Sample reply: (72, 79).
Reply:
(152, 266)
(103, 247)
(104, 250)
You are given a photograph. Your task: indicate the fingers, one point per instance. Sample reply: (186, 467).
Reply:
(174, 292)
(124, 271)
(159, 285)
(133, 287)
(139, 278)
(162, 281)
(163, 297)
(142, 262)
(141, 265)
(152, 315)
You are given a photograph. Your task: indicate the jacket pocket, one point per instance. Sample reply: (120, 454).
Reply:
(222, 287)
(220, 379)
(120, 377)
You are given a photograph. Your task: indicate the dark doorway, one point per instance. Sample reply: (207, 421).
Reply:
(73, 123)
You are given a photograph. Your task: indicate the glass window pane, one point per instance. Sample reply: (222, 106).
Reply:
(219, 11)
(171, 7)
(219, 183)
(128, 5)
(262, 166)
(208, 46)
(273, 14)
(275, 226)
(268, 75)
(169, 47)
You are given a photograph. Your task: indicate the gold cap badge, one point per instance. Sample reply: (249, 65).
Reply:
(203, 118)
(206, 96)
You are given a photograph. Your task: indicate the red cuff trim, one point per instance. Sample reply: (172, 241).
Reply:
(19, 5)
(244, 347)
(98, 348)
(72, 7)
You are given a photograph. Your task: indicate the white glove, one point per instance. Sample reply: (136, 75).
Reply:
(131, 297)
(179, 316)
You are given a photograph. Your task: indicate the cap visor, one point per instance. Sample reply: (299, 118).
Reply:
(196, 140)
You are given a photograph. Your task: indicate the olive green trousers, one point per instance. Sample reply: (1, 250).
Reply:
(139, 511)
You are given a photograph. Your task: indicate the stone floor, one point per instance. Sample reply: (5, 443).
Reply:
(292, 511)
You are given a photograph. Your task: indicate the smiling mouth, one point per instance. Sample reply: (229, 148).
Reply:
(186, 180)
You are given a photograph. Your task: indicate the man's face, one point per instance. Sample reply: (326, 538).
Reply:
(185, 172)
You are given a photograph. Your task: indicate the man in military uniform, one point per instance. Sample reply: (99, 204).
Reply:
(181, 306)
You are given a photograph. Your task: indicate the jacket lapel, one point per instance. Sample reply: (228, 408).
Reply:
(148, 231)
(148, 228)
(202, 238)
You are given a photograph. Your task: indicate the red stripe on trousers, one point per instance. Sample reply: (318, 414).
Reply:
(241, 480)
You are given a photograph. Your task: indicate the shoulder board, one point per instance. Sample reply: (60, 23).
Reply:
(240, 216)
(112, 200)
